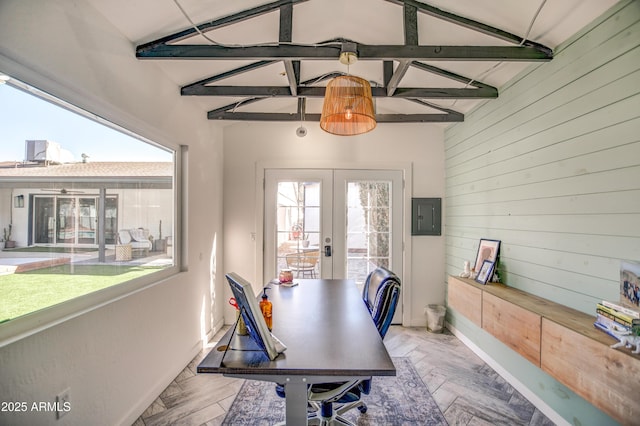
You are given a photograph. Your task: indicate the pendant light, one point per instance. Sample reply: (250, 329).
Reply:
(348, 104)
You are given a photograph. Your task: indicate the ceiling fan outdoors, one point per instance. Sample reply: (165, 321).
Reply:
(62, 191)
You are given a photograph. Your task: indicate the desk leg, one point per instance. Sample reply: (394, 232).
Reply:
(296, 400)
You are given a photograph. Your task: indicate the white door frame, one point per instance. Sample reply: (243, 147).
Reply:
(407, 170)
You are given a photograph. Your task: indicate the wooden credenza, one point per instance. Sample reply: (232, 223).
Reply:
(561, 341)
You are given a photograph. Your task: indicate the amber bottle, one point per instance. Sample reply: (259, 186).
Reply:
(266, 308)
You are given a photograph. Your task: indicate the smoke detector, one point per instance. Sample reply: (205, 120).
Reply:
(301, 132)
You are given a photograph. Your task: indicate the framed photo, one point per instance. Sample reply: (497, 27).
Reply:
(487, 250)
(486, 270)
(630, 284)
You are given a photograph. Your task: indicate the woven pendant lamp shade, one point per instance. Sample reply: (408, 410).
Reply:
(348, 107)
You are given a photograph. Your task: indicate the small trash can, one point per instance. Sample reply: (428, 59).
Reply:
(435, 318)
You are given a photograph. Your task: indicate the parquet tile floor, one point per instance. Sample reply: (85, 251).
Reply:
(466, 389)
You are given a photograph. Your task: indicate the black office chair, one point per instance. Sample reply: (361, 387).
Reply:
(381, 294)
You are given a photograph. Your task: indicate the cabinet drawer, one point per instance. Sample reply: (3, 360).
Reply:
(466, 299)
(514, 326)
(608, 378)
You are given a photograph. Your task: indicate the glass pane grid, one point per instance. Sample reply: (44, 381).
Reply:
(298, 228)
(368, 228)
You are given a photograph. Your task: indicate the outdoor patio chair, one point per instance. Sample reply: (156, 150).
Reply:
(303, 263)
(138, 238)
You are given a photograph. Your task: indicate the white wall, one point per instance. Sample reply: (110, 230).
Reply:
(116, 359)
(552, 169)
(247, 145)
(5, 209)
(145, 208)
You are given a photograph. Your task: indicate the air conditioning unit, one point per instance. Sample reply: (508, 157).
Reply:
(43, 151)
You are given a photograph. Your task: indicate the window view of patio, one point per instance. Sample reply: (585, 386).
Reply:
(84, 207)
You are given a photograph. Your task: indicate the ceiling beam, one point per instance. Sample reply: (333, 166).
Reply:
(246, 68)
(365, 52)
(232, 107)
(410, 54)
(451, 75)
(319, 92)
(438, 107)
(445, 93)
(380, 118)
(473, 25)
(410, 22)
(291, 68)
(387, 71)
(219, 23)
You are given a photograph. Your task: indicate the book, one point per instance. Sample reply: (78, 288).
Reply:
(617, 316)
(610, 327)
(623, 309)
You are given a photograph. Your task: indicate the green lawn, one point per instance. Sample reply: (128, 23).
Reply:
(30, 291)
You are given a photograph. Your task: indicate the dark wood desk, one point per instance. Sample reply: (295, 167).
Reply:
(330, 337)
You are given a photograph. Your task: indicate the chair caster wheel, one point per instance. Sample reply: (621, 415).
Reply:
(363, 409)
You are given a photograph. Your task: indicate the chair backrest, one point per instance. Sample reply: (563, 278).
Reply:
(124, 236)
(307, 260)
(311, 258)
(381, 293)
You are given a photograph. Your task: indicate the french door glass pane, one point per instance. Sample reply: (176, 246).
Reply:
(66, 226)
(110, 220)
(44, 220)
(368, 228)
(298, 228)
(87, 219)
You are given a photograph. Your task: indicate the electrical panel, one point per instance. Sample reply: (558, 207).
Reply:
(426, 216)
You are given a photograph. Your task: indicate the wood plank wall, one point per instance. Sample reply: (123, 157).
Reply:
(552, 169)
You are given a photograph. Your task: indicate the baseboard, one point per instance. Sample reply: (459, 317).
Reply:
(517, 384)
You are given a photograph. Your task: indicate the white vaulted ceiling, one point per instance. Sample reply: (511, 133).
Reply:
(468, 31)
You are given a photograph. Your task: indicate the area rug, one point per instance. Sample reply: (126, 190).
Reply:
(395, 400)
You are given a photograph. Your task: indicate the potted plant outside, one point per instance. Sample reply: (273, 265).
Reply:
(159, 244)
(8, 242)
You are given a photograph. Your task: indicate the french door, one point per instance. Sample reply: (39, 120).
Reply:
(332, 223)
(72, 220)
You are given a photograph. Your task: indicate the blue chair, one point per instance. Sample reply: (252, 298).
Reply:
(380, 294)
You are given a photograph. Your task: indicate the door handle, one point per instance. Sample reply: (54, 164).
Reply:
(327, 251)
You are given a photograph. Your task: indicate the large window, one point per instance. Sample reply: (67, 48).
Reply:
(84, 205)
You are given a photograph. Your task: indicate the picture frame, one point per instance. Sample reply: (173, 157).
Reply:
(630, 284)
(485, 272)
(487, 250)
